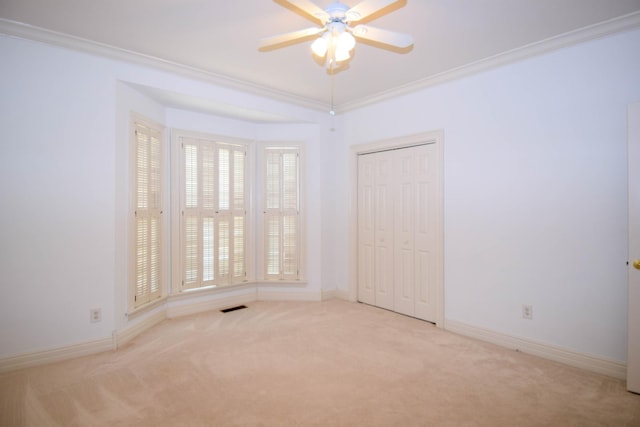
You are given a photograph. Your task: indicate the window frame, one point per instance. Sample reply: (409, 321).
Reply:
(178, 203)
(171, 178)
(261, 214)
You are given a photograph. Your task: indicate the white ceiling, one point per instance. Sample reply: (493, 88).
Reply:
(220, 37)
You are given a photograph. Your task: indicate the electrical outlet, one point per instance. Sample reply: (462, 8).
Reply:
(95, 315)
(527, 312)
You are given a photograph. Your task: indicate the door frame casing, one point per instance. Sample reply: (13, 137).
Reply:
(434, 137)
(633, 282)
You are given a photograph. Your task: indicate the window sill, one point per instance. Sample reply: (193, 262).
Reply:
(189, 293)
(244, 285)
(288, 283)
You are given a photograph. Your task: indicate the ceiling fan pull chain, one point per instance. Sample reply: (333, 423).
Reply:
(332, 111)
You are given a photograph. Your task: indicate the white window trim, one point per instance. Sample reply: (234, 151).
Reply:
(260, 269)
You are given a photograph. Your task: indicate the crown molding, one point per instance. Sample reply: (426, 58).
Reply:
(38, 34)
(615, 25)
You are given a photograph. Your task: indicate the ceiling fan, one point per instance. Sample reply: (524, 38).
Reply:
(336, 35)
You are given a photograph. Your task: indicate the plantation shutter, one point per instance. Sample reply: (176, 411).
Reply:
(281, 214)
(147, 212)
(238, 211)
(213, 213)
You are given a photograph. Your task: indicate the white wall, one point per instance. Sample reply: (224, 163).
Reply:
(57, 219)
(535, 191)
(64, 124)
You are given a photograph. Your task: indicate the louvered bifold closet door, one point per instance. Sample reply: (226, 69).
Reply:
(214, 213)
(282, 214)
(148, 214)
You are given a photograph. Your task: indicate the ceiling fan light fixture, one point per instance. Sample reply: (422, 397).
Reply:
(342, 55)
(346, 42)
(320, 46)
(337, 39)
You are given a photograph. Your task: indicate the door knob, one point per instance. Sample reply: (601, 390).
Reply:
(636, 264)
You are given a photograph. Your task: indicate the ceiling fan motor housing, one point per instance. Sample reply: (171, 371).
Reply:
(339, 12)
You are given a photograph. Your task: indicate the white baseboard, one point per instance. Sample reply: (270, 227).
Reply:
(128, 333)
(345, 295)
(55, 355)
(546, 351)
(284, 295)
(326, 295)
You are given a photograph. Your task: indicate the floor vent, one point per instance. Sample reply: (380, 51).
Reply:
(237, 307)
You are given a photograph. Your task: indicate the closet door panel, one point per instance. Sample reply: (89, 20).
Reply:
(366, 230)
(425, 232)
(404, 231)
(384, 231)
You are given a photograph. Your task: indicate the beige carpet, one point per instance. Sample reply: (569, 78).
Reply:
(333, 363)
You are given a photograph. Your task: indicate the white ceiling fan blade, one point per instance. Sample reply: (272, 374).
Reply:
(387, 37)
(366, 8)
(311, 9)
(287, 37)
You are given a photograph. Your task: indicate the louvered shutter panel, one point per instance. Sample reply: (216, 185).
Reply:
(239, 271)
(281, 214)
(148, 212)
(272, 214)
(192, 230)
(214, 213)
(273, 246)
(290, 215)
(224, 170)
(239, 212)
(207, 215)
